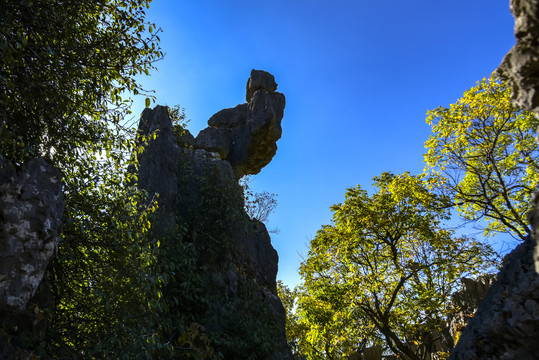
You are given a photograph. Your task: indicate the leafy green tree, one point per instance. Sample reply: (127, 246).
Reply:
(104, 291)
(383, 272)
(295, 329)
(484, 148)
(65, 65)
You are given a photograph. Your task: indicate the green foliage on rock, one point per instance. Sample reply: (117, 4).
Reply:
(121, 287)
(485, 149)
(382, 273)
(220, 292)
(102, 268)
(212, 305)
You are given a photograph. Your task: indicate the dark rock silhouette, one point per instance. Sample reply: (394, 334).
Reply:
(31, 209)
(239, 266)
(158, 163)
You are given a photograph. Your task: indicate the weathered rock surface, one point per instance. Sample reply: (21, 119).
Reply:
(506, 324)
(246, 135)
(472, 292)
(466, 301)
(158, 164)
(259, 80)
(533, 219)
(31, 208)
(521, 65)
(199, 194)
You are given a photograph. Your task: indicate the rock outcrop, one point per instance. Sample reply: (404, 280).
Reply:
(31, 209)
(521, 65)
(466, 301)
(506, 324)
(246, 135)
(201, 204)
(158, 165)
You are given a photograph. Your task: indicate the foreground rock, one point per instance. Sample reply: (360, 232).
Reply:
(521, 65)
(506, 324)
(31, 206)
(201, 218)
(31, 209)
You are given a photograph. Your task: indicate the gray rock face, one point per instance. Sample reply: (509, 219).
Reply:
(246, 135)
(466, 301)
(472, 292)
(521, 65)
(31, 208)
(259, 80)
(506, 324)
(533, 219)
(239, 265)
(159, 161)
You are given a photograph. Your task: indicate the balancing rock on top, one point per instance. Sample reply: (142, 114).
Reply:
(246, 135)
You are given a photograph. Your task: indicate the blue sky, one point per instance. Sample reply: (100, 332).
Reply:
(358, 77)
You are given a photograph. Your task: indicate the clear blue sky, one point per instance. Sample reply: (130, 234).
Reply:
(358, 77)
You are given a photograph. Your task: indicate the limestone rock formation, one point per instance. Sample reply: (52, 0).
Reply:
(472, 292)
(506, 324)
(521, 65)
(533, 219)
(246, 135)
(157, 166)
(31, 208)
(466, 301)
(259, 80)
(201, 203)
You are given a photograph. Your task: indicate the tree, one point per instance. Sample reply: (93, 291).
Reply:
(65, 67)
(383, 272)
(295, 330)
(485, 149)
(258, 206)
(104, 263)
